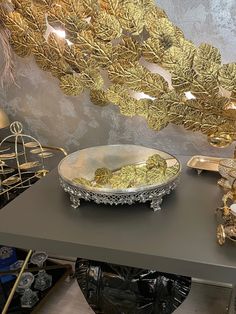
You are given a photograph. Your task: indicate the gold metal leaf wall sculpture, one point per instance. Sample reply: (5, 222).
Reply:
(109, 47)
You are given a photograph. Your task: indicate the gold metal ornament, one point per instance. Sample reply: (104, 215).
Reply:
(84, 42)
(153, 171)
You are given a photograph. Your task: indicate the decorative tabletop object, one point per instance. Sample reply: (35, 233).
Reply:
(119, 174)
(116, 49)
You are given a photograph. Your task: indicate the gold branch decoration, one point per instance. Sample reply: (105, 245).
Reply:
(120, 48)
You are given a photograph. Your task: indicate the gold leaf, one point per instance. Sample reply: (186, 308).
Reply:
(19, 45)
(110, 6)
(207, 59)
(16, 23)
(128, 107)
(131, 18)
(99, 98)
(128, 49)
(227, 76)
(152, 15)
(117, 93)
(71, 85)
(182, 79)
(46, 3)
(57, 16)
(152, 50)
(106, 27)
(90, 7)
(86, 41)
(72, 54)
(153, 84)
(74, 25)
(204, 86)
(179, 57)
(60, 68)
(142, 107)
(165, 31)
(157, 116)
(44, 56)
(35, 19)
(91, 78)
(56, 43)
(102, 53)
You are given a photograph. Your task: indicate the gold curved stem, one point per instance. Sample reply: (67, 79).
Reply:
(6, 306)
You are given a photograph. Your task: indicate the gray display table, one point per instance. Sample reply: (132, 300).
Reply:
(179, 239)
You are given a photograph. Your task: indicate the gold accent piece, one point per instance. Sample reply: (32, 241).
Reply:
(31, 145)
(29, 165)
(204, 163)
(9, 299)
(38, 150)
(11, 180)
(45, 154)
(92, 40)
(153, 171)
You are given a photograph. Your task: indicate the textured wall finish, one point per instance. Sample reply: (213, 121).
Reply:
(73, 122)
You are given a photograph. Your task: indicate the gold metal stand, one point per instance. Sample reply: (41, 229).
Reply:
(16, 283)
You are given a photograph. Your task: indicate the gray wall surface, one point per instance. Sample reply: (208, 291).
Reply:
(74, 123)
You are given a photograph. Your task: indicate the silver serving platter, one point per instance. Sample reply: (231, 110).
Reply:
(84, 163)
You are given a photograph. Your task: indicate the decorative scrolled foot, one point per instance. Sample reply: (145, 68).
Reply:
(75, 201)
(156, 204)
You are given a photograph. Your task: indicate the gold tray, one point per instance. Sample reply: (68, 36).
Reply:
(204, 163)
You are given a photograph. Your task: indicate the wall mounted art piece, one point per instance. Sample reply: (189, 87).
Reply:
(119, 49)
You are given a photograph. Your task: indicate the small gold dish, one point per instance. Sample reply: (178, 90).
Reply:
(45, 154)
(6, 170)
(38, 150)
(31, 144)
(206, 163)
(7, 156)
(11, 180)
(29, 165)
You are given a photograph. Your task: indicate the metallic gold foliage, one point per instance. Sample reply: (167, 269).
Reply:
(19, 45)
(152, 50)
(57, 15)
(57, 44)
(113, 41)
(16, 23)
(99, 98)
(131, 17)
(106, 27)
(207, 60)
(127, 50)
(36, 19)
(91, 78)
(165, 31)
(71, 85)
(73, 25)
(227, 76)
(110, 6)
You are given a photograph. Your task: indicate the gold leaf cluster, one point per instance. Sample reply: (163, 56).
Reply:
(109, 47)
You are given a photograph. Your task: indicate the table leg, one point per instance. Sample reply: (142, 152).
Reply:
(232, 302)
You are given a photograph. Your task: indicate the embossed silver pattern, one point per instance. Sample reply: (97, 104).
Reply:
(84, 162)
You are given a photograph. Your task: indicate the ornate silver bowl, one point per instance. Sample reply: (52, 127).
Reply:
(84, 163)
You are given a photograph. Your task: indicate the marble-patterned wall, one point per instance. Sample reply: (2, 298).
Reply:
(73, 122)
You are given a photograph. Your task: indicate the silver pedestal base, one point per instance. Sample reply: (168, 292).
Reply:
(154, 196)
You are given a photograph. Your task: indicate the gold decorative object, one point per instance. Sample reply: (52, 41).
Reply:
(201, 163)
(19, 162)
(119, 174)
(107, 46)
(151, 172)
